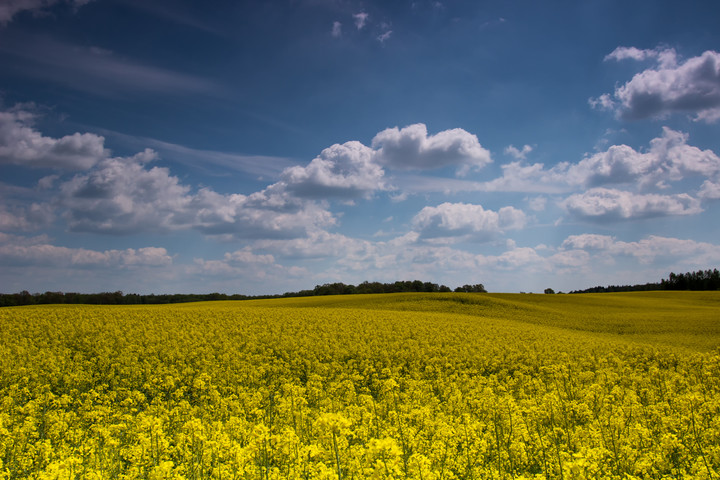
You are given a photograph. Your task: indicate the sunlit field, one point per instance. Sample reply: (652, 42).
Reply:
(417, 386)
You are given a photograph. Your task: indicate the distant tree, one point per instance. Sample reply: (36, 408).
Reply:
(24, 298)
(549, 291)
(477, 288)
(700, 280)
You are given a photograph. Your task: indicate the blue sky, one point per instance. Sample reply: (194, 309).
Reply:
(264, 147)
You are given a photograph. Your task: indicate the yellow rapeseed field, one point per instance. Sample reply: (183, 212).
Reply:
(401, 386)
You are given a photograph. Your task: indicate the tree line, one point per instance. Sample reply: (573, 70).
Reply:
(119, 298)
(378, 287)
(370, 287)
(107, 298)
(699, 280)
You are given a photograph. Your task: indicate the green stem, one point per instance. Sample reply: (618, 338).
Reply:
(337, 456)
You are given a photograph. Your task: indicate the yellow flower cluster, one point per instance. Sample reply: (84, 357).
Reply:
(392, 387)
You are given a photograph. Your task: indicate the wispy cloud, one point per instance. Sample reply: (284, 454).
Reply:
(261, 165)
(518, 153)
(99, 71)
(176, 13)
(336, 29)
(360, 20)
(383, 37)
(492, 23)
(607, 204)
(9, 8)
(421, 184)
(667, 57)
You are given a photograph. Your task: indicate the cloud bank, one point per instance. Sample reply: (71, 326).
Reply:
(23, 251)
(275, 231)
(669, 160)
(606, 204)
(128, 195)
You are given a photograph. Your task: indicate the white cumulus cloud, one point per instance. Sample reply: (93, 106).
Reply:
(709, 190)
(669, 158)
(270, 213)
(122, 195)
(125, 195)
(692, 86)
(411, 148)
(346, 170)
(21, 144)
(463, 219)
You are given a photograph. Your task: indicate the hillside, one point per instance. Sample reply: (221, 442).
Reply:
(676, 318)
